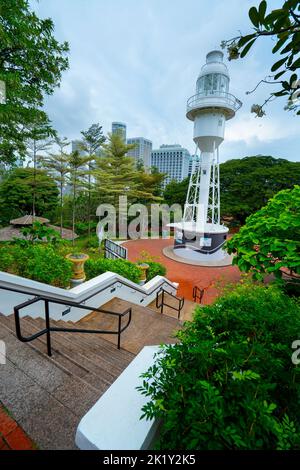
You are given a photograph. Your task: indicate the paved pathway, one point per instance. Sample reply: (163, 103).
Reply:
(211, 279)
(12, 436)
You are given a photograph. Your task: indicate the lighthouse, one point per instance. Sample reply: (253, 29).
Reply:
(200, 235)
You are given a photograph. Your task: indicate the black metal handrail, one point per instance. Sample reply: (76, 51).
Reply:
(198, 294)
(163, 303)
(47, 331)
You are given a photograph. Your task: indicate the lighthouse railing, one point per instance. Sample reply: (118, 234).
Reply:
(213, 97)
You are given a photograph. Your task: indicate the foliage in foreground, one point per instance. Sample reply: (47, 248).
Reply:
(282, 24)
(230, 383)
(31, 64)
(270, 239)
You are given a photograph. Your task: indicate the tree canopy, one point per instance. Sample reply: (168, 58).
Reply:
(31, 65)
(117, 175)
(283, 25)
(175, 192)
(16, 193)
(246, 184)
(270, 239)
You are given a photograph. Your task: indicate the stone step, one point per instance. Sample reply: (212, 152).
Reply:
(72, 357)
(70, 344)
(48, 374)
(45, 400)
(40, 345)
(91, 345)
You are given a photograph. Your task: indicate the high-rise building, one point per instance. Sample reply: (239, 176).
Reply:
(77, 145)
(194, 163)
(142, 150)
(172, 160)
(119, 128)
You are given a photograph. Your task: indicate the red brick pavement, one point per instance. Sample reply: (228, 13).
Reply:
(211, 279)
(12, 436)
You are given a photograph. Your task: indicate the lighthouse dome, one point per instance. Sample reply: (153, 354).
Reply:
(214, 76)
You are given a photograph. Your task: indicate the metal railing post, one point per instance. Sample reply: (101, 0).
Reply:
(48, 334)
(119, 333)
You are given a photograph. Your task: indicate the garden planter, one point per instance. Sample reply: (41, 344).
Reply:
(78, 261)
(143, 268)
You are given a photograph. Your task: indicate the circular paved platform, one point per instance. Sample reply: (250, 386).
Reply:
(212, 279)
(169, 252)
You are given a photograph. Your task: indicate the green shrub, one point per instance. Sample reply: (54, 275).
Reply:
(230, 383)
(45, 265)
(6, 259)
(155, 269)
(93, 242)
(41, 263)
(270, 239)
(123, 267)
(81, 228)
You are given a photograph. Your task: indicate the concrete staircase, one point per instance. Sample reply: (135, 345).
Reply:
(49, 395)
(186, 313)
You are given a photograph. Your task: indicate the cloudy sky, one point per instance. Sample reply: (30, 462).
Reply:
(137, 61)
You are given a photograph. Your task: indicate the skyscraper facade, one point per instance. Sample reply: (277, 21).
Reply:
(119, 128)
(142, 151)
(172, 160)
(194, 163)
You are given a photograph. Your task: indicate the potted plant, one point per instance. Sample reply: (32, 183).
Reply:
(78, 260)
(143, 268)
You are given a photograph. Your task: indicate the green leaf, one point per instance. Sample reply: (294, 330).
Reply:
(278, 75)
(247, 48)
(279, 44)
(295, 65)
(244, 39)
(278, 64)
(254, 16)
(262, 10)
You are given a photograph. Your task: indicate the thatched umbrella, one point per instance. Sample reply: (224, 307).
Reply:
(29, 220)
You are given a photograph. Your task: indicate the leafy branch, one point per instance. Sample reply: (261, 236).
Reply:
(283, 25)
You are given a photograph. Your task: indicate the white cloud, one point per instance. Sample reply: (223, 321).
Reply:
(137, 61)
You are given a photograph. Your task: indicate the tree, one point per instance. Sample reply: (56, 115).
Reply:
(77, 170)
(116, 173)
(270, 239)
(92, 141)
(38, 143)
(246, 184)
(31, 65)
(282, 24)
(150, 181)
(176, 191)
(57, 164)
(16, 195)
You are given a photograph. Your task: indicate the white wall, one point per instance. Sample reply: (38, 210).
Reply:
(111, 285)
